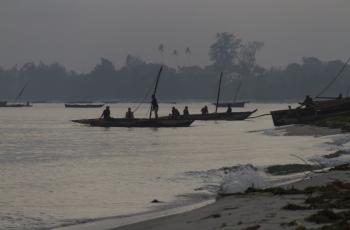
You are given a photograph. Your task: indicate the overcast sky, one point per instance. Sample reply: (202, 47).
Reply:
(77, 33)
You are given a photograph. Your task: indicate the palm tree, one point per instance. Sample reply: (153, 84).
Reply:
(175, 53)
(161, 51)
(188, 55)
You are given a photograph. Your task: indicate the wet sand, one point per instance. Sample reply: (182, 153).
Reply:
(257, 210)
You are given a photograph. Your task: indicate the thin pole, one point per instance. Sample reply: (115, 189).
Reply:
(335, 78)
(155, 88)
(22, 90)
(218, 97)
(238, 88)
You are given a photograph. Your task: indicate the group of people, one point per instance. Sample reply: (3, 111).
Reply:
(154, 109)
(106, 114)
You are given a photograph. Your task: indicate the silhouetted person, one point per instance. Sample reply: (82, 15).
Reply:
(175, 112)
(308, 102)
(129, 114)
(229, 109)
(154, 106)
(186, 112)
(28, 103)
(205, 110)
(106, 113)
(340, 96)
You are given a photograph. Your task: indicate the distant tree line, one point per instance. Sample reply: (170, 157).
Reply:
(228, 54)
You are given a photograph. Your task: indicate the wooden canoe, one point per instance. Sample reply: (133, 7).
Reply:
(233, 116)
(83, 105)
(320, 110)
(137, 122)
(238, 104)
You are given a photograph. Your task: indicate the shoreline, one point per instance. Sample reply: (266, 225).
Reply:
(259, 209)
(236, 207)
(106, 223)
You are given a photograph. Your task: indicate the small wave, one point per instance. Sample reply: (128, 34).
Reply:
(232, 179)
(239, 180)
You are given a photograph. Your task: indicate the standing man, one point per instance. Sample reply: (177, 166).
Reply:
(154, 106)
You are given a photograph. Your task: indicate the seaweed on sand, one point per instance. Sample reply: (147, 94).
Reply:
(291, 168)
(276, 191)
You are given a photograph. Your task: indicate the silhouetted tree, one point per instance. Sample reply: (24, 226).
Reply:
(247, 59)
(224, 52)
(104, 69)
(133, 61)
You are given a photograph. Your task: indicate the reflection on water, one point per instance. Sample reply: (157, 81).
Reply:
(54, 171)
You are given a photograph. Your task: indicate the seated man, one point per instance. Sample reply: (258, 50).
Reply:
(204, 110)
(186, 112)
(340, 96)
(229, 109)
(106, 113)
(175, 112)
(129, 114)
(308, 102)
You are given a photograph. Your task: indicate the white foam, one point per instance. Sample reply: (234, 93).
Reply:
(239, 180)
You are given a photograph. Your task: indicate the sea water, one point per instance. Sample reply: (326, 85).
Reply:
(55, 172)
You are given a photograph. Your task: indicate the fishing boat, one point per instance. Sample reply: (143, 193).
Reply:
(322, 109)
(138, 122)
(83, 105)
(15, 105)
(27, 104)
(216, 116)
(233, 116)
(237, 104)
(234, 103)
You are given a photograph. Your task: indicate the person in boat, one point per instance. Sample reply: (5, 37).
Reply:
(154, 106)
(308, 102)
(229, 109)
(175, 112)
(205, 110)
(340, 96)
(129, 114)
(186, 112)
(106, 114)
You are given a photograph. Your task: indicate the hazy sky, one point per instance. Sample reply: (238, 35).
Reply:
(77, 33)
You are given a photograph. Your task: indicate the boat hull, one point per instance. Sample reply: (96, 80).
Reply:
(83, 105)
(322, 110)
(238, 104)
(5, 104)
(121, 122)
(233, 116)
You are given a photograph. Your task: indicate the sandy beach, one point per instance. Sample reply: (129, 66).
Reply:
(262, 209)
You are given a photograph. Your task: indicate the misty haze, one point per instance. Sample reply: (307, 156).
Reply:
(168, 115)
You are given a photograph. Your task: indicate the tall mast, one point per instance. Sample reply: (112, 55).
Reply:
(156, 87)
(219, 90)
(22, 90)
(237, 91)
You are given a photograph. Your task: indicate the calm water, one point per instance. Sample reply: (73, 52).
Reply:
(55, 172)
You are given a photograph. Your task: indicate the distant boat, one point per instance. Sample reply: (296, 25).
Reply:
(235, 103)
(83, 105)
(5, 104)
(238, 104)
(27, 104)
